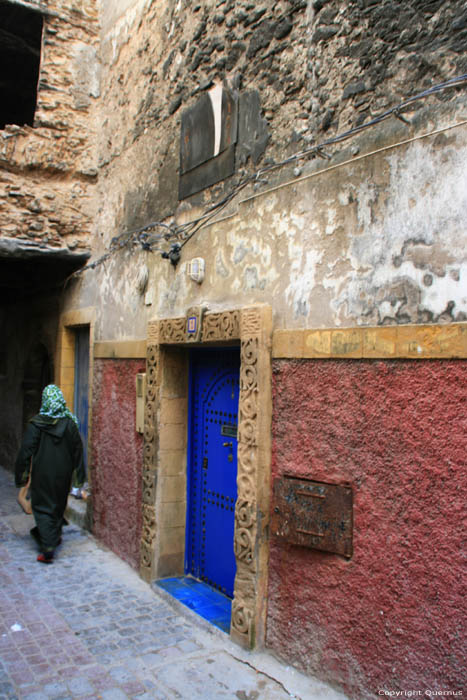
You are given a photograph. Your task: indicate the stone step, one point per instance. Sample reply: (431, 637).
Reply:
(77, 512)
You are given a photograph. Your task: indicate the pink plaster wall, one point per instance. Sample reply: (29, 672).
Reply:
(392, 616)
(117, 457)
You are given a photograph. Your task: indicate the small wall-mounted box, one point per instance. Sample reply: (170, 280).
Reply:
(140, 401)
(195, 269)
(313, 514)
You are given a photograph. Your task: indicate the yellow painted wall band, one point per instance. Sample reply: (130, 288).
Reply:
(384, 342)
(120, 349)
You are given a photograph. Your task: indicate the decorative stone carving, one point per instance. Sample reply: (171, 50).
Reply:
(251, 322)
(151, 378)
(149, 524)
(172, 330)
(146, 561)
(150, 436)
(149, 457)
(249, 405)
(153, 333)
(248, 430)
(246, 533)
(152, 352)
(147, 541)
(248, 408)
(242, 617)
(221, 326)
(247, 457)
(149, 487)
(245, 530)
(249, 365)
(246, 485)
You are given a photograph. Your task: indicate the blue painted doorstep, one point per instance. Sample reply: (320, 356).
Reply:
(201, 598)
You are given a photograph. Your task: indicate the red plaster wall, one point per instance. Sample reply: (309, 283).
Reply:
(392, 617)
(117, 458)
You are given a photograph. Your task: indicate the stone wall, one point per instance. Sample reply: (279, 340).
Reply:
(319, 68)
(372, 239)
(315, 68)
(367, 55)
(47, 170)
(360, 236)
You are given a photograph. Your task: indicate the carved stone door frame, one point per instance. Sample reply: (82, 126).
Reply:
(252, 328)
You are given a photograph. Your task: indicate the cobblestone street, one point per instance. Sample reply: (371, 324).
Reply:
(89, 627)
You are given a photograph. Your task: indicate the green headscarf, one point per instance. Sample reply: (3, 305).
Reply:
(54, 405)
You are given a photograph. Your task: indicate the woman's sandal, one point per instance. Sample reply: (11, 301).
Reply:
(45, 558)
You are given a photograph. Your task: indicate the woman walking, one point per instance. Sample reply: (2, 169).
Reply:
(53, 442)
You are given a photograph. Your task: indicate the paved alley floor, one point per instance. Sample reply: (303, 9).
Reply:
(88, 627)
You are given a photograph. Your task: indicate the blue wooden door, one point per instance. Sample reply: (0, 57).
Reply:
(82, 384)
(212, 469)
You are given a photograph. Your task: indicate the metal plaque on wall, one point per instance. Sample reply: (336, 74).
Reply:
(313, 514)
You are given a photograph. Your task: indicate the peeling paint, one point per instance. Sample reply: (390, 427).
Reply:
(240, 253)
(366, 196)
(221, 269)
(373, 242)
(331, 225)
(417, 231)
(252, 279)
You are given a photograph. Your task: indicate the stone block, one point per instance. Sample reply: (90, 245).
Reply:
(432, 341)
(172, 515)
(67, 340)
(172, 541)
(175, 374)
(172, 462)
(135, 349)
(172, 435)
(347, 342)
(317, 343)
(170, 565)
(287, 343)
(379, 342)
(172, 488)
(173, 411)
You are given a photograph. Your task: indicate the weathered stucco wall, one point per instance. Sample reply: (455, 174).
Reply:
(364, 240)
(117, 458)
(388, 618)
(47, 170)
(373, 239)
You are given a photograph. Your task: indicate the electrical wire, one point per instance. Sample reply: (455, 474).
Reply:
(183, 233)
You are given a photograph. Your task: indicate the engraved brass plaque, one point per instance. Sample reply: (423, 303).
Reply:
(313, 514)
(229, 430)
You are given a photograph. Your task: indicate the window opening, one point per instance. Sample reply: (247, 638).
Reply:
(20, 54)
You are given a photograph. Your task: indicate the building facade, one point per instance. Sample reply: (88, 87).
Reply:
(253, 218)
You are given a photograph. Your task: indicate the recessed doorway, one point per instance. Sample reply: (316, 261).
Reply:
(212, 467)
